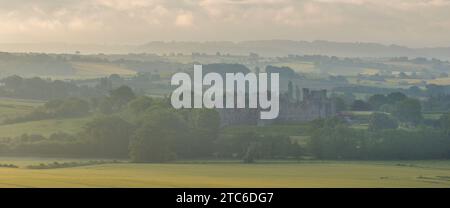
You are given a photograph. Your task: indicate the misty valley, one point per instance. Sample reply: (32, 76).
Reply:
(114, 114)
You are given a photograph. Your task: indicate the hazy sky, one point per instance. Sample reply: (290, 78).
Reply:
(406, 22)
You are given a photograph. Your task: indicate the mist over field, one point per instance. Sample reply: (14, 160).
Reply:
(87, 92)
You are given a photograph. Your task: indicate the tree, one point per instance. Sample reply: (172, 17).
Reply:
(13, 82)
(444, 123)
(284, 72)
(205, 130)
(338, 142)
(72, 107)
(415, 90)
(360, 105)
(381, 121)
(408, 111)
(140, 104)
(105, 106)
(53, 104)
(376, 101)
(435, 90)
(115, 78)
(396, 97)
(251, 153)
(155, 139)
(121, 96)
(109, 135)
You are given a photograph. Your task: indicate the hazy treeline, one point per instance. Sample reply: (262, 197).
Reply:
(335, 140)
(45, 89)
(277, 48)
(152, 133)
(432, 99)
(429, 90)
(143, 129)
(34, 64)
(147, 129)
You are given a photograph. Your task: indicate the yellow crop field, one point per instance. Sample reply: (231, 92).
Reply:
(304, 174)
(87, 70)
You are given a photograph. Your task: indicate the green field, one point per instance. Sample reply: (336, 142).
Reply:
(10, 108)
(299, 66)
(287, 174)
(44, 127)
(92, 70)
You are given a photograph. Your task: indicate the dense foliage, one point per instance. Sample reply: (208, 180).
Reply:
(338, 141)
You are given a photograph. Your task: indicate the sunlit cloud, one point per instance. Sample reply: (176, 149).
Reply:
(184, 20)
(413, 22)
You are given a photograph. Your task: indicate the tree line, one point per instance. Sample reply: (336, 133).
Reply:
(146, 129)
(143, 129)
(333, 139)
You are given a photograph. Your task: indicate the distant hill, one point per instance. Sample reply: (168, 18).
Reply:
(51, 65)
(34, 65)
(287, 47)
(261, 47)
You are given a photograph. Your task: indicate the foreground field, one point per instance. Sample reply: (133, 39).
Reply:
(304, 174)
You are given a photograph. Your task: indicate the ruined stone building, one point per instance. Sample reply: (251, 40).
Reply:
(310, 105)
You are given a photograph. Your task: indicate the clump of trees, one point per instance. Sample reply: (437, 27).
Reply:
(116, 100)
(164, 134)
(44, 89)
(408, 111)
(69, 164)
(8, 166)
(336, 140)
(403, 109)
(76, 107)
(156, 138)
(108, 136)
(381, 121)
(360, 105)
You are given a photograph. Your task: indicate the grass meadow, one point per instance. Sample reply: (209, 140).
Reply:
(44, 127)
(233, 174)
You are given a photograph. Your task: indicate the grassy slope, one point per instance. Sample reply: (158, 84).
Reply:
(10, 108)
(302, 67)
(43, 127)
(310, 174)
(89, 70)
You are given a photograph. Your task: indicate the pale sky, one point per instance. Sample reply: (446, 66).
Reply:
(414, 23)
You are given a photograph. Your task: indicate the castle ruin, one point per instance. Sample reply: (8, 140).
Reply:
(310, 105)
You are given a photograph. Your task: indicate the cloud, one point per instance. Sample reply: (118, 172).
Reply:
(413, 22)
(125, 5)
(184, 20)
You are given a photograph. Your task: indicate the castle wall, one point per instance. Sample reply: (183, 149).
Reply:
(314, 105)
